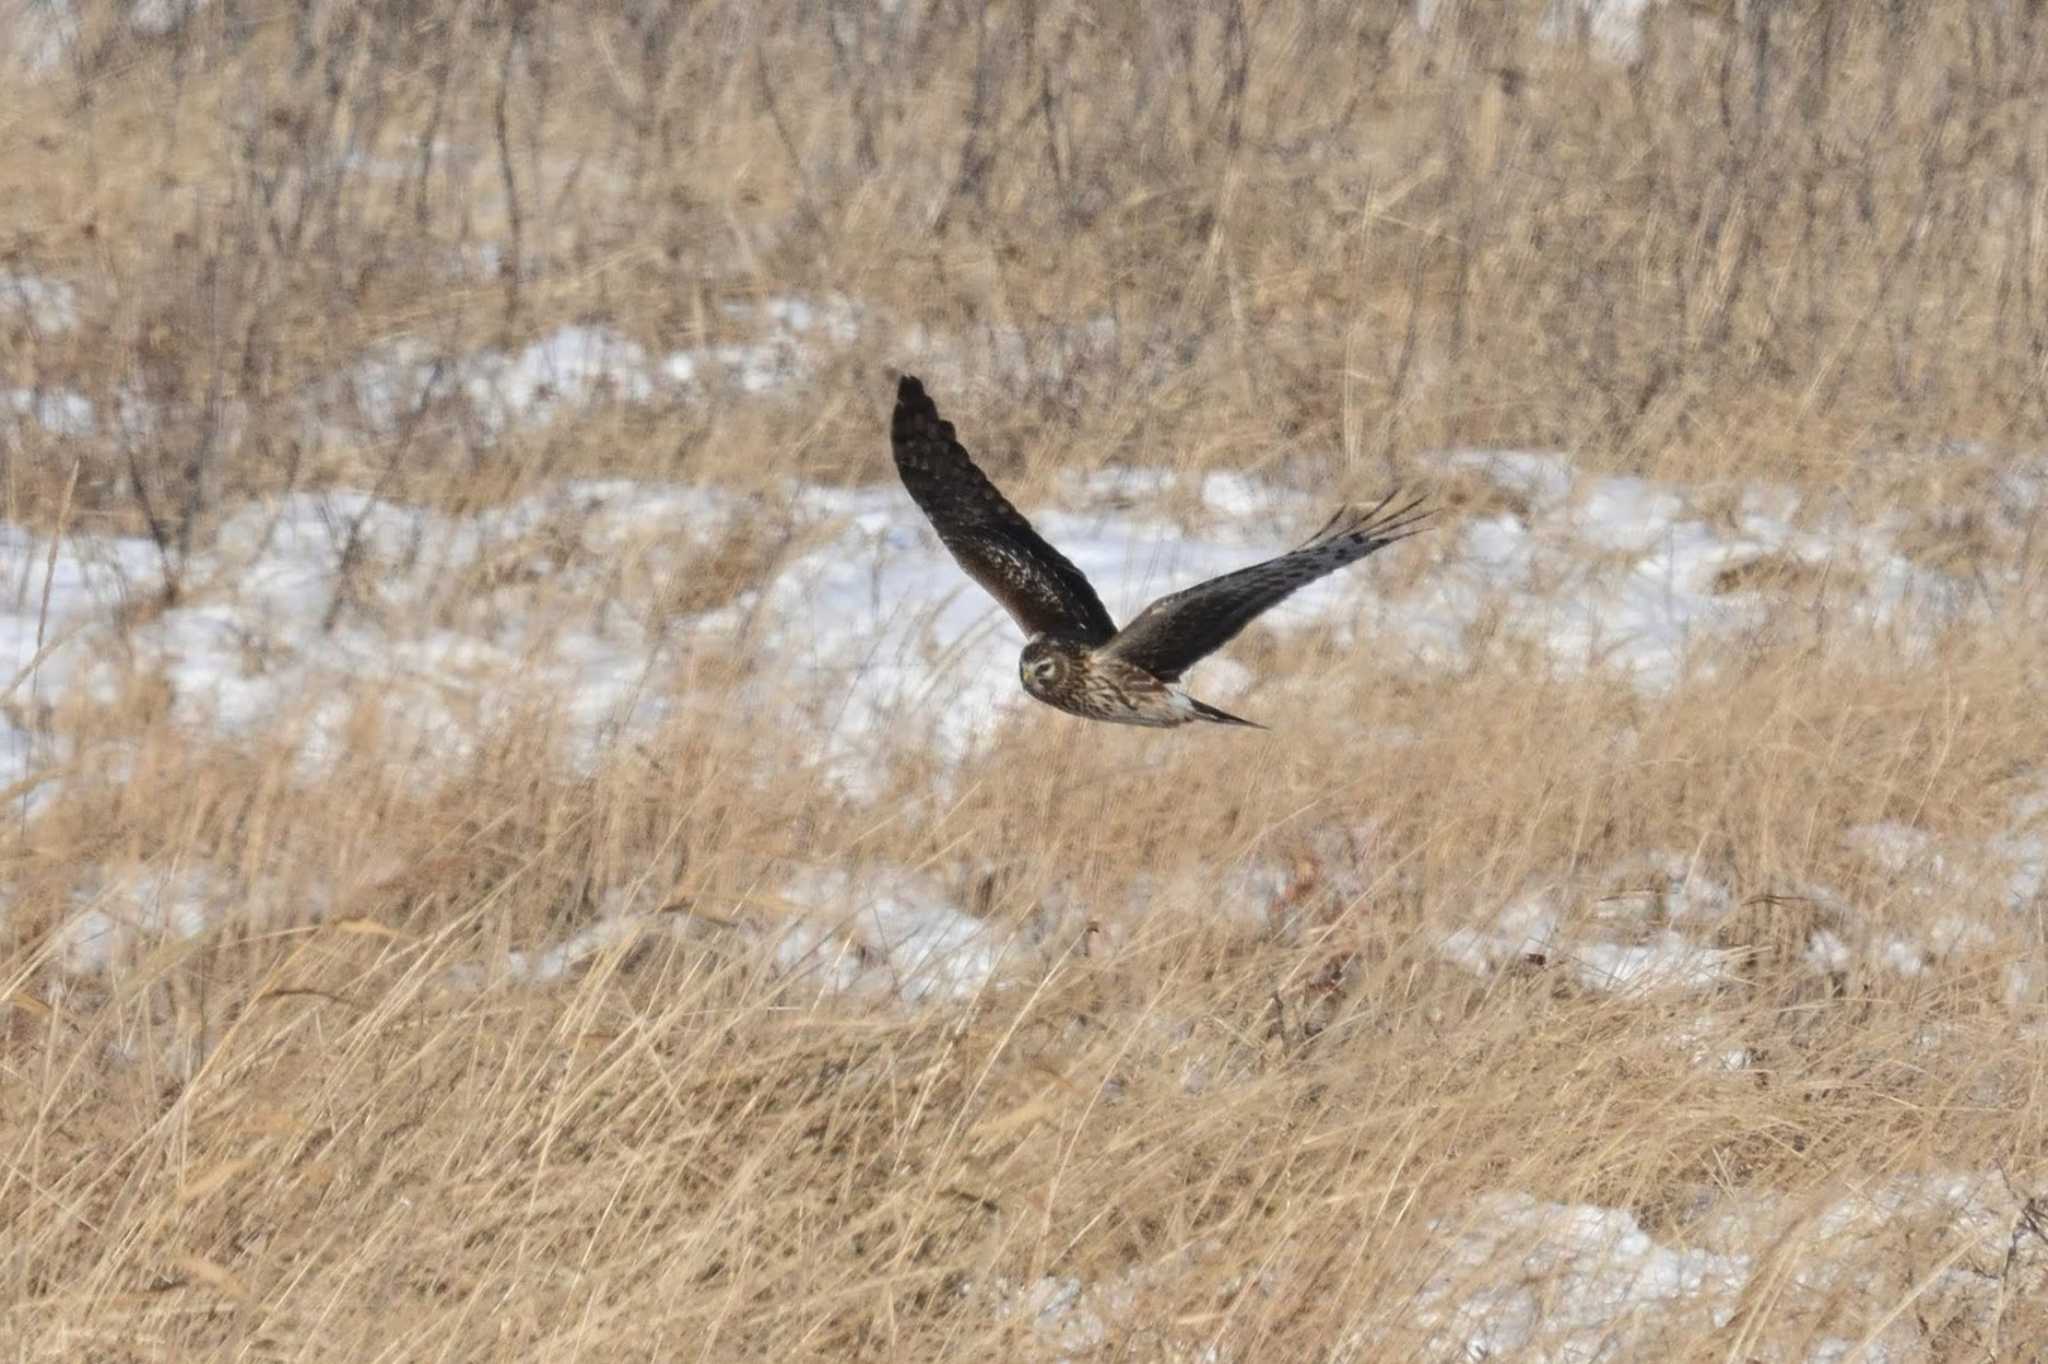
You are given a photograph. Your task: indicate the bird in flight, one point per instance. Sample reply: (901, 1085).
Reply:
(1074, 657)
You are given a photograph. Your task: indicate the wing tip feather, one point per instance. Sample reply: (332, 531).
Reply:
(917, 417)
(1375, 523)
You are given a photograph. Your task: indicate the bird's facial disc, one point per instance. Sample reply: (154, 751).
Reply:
(1041, 671)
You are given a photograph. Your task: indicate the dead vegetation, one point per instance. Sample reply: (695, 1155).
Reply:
(1789, 244)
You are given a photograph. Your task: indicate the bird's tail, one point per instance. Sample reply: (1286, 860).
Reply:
(1205, 711)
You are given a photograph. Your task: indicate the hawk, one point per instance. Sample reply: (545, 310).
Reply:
(1075, 658)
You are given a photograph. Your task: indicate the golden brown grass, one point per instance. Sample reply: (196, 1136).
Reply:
(1796, 243)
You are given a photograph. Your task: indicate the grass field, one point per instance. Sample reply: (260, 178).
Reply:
(520, 844)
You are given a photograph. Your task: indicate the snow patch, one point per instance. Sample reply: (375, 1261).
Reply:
(1528, 1279)
(48, 305)
(574, 368)
(1667, 961)
(885, 929)
(129, 913)
(1619, 573)
(618, 930)
(1526, 929)
(58, 411)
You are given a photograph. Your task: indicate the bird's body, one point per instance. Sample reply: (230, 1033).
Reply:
(1098, 686)
(1075, 658)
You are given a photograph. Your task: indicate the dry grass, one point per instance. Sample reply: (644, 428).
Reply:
(1799, 243)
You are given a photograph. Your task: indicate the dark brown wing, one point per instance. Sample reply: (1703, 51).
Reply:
(1167, 637)
(991, 539)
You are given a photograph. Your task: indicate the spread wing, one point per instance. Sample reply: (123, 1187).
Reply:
(1167, 637)
(990, 538)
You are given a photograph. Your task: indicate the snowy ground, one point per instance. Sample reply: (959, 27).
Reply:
(304, 611)
(1517, 1277)
(1522, 1278)
(885, 648)
(875, 646)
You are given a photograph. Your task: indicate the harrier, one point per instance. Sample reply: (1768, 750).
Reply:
(1075, 658)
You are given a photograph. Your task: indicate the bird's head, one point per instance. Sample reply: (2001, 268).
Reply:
(1043, 667)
